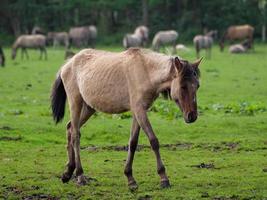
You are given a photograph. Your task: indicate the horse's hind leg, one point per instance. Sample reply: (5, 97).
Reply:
(86, 113)
(131, 150)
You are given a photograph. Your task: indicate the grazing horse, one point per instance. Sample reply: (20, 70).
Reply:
(82, 36)
(238, 32)
(2, 57)
(138, 39)
(95, 80)
(29, 41)
(204, 42)
(164, 38)
(58, 38)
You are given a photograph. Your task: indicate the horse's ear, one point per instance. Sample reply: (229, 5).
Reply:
(196, 63)
(178, 64)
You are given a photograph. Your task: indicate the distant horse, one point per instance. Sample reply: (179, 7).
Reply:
(240, 48)
(95, 80)
(143, 31)
(2, 57)
(238, 32)
(82, 36)
(163, 38)
(138, 39)
(204, 42)
(58, 38)
(37, 30)
(29, 41)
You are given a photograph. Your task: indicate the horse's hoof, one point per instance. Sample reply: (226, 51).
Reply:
(65, 177)
(133, 186)
(81, 180)
(165, 184)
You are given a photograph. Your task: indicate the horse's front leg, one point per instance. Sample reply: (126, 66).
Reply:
(131, 150)
(142, 119)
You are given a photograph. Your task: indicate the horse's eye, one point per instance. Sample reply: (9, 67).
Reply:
(183, 87)
(195, 73)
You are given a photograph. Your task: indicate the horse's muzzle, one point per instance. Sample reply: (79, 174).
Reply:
(190, 117)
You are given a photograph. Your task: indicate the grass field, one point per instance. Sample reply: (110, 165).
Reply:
(221, 156)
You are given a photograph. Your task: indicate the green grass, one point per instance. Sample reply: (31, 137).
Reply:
(231, 134)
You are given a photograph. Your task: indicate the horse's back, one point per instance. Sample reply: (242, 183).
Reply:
(100, 78)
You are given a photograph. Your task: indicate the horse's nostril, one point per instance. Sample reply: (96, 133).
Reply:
(191, 117)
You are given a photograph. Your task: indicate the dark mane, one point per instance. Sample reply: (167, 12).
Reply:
(188, 70)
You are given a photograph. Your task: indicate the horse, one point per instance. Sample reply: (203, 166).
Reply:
(138, 39)
(2, 57)
(204, 42)
(58, 38)
(238, 32)
(37, 30)
(164, 38)
(240, 48)
(109, 82)
(29, 41)
(83, 35)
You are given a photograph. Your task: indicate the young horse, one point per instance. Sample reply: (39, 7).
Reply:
(205, 42)
(95, 80)
(29, 41)
(163, 38)
(137, 39)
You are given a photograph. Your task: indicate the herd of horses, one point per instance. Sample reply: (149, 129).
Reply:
(87, 35)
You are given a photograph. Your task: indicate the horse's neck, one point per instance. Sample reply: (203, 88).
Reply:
(160, 68)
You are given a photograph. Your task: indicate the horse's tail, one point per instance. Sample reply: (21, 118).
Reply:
(58, 99)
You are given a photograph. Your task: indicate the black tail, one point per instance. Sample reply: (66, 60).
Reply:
(58, 100)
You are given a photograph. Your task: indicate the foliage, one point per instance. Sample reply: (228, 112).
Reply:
(188, 17)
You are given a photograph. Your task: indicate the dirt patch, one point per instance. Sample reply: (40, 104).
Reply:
(146, 197)
(40, 196)
(8, 138)
(233, 197)
(215, 147)
(6, 128)
(205, 166)
(175, 146)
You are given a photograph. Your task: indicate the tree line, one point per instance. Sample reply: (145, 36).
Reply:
(114, 18)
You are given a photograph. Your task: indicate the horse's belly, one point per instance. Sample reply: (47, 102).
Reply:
(106, 97)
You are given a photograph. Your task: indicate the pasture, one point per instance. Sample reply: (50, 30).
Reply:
(223, 155)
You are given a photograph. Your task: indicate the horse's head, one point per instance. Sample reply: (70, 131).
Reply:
(184, 87)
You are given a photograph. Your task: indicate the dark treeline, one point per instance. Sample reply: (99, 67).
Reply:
(114, 18)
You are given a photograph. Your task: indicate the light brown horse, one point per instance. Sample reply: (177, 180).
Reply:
(29, 42)
(238, 33)
(95, 80)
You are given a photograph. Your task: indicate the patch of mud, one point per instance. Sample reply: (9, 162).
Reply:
(175, 146)
(14, 189)
(6, 128)
(216, 147)
(205, 166)
(8, 138)
(233, 197)
(146, 197)
(40, 196)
